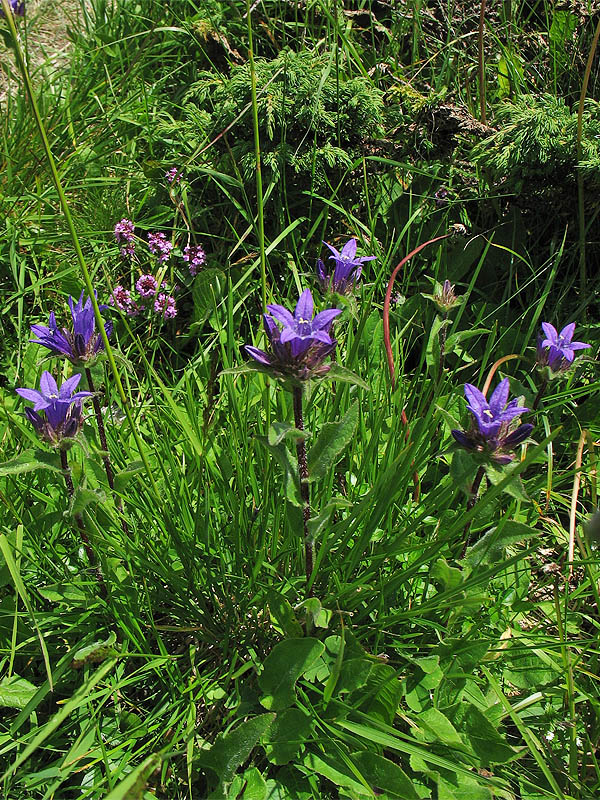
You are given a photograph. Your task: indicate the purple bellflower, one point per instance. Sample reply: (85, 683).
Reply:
(17, 7)
(80, 344)
(493, 432)
(299, 349)
(557, 350)
(347, 269)
(62, 408)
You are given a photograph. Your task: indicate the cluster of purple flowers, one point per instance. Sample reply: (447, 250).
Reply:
(160, 246)
(124, 234)
(17, 7)
(347, 269)
(173, 176)
(557, 350)
(299, 349)
(62, 418)
(147, 288)
(195, 256)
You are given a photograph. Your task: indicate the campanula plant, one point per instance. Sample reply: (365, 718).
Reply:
(61, 419)
(555, 354)
(346, 271)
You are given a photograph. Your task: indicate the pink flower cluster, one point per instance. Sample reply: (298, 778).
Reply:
(173, 176)
(195, 256)
(124, 234)
(165, 305)
(160, 246)
(146, 287)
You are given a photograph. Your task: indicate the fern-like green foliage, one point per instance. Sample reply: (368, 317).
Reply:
(536, 145)
(309, 120)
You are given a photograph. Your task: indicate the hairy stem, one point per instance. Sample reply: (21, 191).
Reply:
(442, 341)
(474, 493)
(103, 444)
(303, 474)
(78, 518)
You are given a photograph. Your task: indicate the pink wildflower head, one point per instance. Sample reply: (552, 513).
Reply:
(124, 235)
(165, 305)
(146, 285)
(160, 246)
(195, 256)
(121, 298)
(173, 176)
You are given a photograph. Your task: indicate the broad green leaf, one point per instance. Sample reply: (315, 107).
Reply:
(317, 524)
(432, 351)
(343, 375)
(336, 771)
(490, 548)
(230, 750)
(289, 465)
(450, 577)
(382, 693)
(381, 773)
(249, 786)
(85, 497)
(286, 735)
(435, 727)
(487, 743)
(564, 24)
(283, 666)
(96, 652)
(514, 489)
(283, 614)
(123, 478)
(353, 675)
(331, 441)
(16, 692)
(207, 291)
(29, 461)
(283, 430)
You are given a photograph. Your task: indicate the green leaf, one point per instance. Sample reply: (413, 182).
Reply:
(284, 616)
(207, 291)
(332, 439)
(353, 675)
(16, 692)
(489, 746)
(289, 465)
(450, 577)
(514, 489)
(283, 430)
(562, 29)
(123, 478)
(230, 750)
(29, 461)
(96, 652)
(432, 352)
(343, 375)
(381, 773)
(490, 548)
(85, 497)
(318, 523)
(249, 786)
(335, 771)
(283, 666)
(286, 736)
(382, 693)
(435, 727)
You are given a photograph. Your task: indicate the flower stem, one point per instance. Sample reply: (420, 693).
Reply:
(78, 518)
(103, 444)
(442, 341)
(539, 395)
(303, 474)
(474, 493)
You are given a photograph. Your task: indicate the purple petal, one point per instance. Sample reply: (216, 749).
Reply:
(282, 314)
(304, 306)
(56, 413)
(499, 397)
(511, 413)
(517, 436)
(551, 332)
(30, 394)
(476, 399)
(69, 386)
(349, 250)
(287, 335)
(502, 460)
(336, 253)
(258, 355)
(322, 336)
(78, 396)
(48, 385)
(568, 353)
(321, 271)
(579, 346)
(34, 418)
(462, 439)
(324, 319)
(567, 332)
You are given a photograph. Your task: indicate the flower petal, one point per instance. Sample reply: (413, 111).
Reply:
(30, 394)
(336, 253)
(258, 355)
(304, 306)
(579, 346)
(322, 336)
(567, 332)
(324, 318)
(499, 397)
(69, 386)
(48, 385)
(462, 439)
(288, 335)
(475, 398)
(349, 250)
(282, 314)
(517, 436)
(550, 331)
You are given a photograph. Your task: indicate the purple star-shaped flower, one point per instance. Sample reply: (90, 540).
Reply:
(557, 350)
(299, 348)
(347, 270)
(492, 431)
(61, 407)
(81, 343)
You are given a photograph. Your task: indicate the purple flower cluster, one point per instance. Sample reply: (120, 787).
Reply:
(121, 298)
(124, 234)
(347, 269)
(165, 305)
(557, 350)
(299, 349)
(146, 285)
(173, 176)
(17, 7)
(62, 417)
(493, 433)
(160, 246)
(79, 344)
(195, 256)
